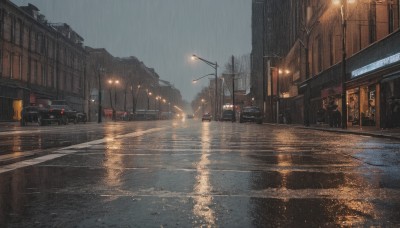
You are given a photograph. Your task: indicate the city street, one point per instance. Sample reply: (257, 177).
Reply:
(193, 174)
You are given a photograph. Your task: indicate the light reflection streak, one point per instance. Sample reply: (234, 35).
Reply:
(202, 188)
(112, 162)
(17, 144)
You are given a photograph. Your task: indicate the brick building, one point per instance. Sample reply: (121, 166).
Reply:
(139, 87)
(313, 63)
(39, 61)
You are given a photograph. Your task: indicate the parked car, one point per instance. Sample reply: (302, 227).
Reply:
(39, 115)
(206, 117)
(228, 115)
(251, 114)
(81, 117)
(67, 113)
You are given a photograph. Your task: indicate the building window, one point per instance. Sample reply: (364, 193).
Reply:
(1, 23)
(20, 67)
(10, 59)
(398, 14)
(35, 72)
(13, 27)
(29, 69)
(44, 76)
(394, 11)
(331, 49)
(43, 44)
(30, 40)
(49, 76)
(320, 56)
(1, 60)
(17, 31)
(21, 32)
(372, 22)
(37, 42)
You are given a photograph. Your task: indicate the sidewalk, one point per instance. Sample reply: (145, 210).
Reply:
(4, 126)
(365, 130)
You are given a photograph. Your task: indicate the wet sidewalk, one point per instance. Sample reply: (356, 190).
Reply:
(364, 130)
(6, 126)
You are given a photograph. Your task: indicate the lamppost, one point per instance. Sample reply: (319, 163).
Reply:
(113, 82)
(100, 70)
(278, 91)
(197, 79)
(158, 98)
(307, 94)
(343, 13)
(272, 88)
(202, 105)
(137, 97)
(215, 67)
(148, 99)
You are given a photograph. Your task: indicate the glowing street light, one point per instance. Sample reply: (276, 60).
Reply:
(343, 13)
(197, 79)
(215, 67)
(115, 83)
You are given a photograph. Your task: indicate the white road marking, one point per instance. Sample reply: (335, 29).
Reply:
(70, 150)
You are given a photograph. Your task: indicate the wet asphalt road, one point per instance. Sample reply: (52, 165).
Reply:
(193, 174)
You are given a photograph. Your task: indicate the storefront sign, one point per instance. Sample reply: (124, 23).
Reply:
(376, 65)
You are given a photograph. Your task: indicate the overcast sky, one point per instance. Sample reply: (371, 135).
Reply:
(161, 33)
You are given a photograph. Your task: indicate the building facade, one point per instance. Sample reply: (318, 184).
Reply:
(139, 87)
(39, 61)
(313, 82)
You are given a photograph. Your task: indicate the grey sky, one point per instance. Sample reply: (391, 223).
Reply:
(161, 33)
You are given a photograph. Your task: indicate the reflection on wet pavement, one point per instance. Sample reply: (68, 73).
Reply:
(192, 174)
(202, 189)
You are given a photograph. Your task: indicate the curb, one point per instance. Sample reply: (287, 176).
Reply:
(378, 135)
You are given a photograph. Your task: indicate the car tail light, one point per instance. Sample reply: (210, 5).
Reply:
(62, 111)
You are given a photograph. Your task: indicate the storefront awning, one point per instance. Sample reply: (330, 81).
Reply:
(331, 91)
(391, 77)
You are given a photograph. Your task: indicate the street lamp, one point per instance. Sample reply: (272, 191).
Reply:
(148, 99)
(115, 83)
(202, 105)
(215, 67)
(343, 13)
(278, 91)
(100, 70)
(197, 79)
(272, 89)
(307, 94)
(158, 98)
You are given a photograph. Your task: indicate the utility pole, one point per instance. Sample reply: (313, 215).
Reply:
(100, 108)
(233, 89)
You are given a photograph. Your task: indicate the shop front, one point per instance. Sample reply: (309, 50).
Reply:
(330, 111)
(361, 105)
(373, 86)
(11, 103)
(373, 97)
(390, 94)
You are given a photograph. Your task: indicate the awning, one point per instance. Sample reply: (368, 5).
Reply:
(331, 91)
(391, 77)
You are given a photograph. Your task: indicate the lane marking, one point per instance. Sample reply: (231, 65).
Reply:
(71, 150)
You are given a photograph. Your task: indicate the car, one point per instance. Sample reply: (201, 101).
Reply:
(251, 114)
(68, 114)
(228, 115)
(39, 115)
(81, 117)
(206, 117)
